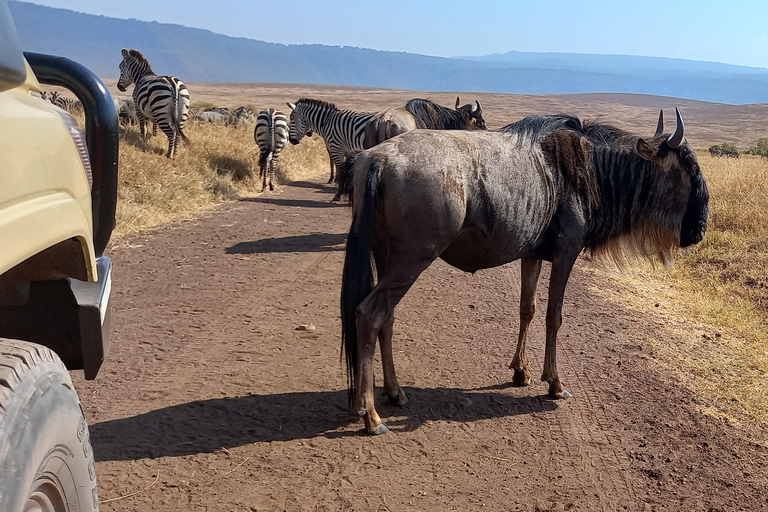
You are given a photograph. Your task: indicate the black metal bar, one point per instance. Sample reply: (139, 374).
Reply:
(101, 134)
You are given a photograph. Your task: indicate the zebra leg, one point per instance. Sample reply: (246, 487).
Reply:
(333, 168)
(272, 163)
(142, 124)
(170, 132)
(263, 168)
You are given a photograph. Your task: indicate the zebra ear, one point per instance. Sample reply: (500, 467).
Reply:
(125, 53)
(290, 105)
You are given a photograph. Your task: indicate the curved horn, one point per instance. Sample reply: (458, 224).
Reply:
(660, 125)
(676, 138)
(458, 103)
(479, 108)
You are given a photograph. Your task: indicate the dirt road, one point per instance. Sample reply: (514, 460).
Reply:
(210, 385)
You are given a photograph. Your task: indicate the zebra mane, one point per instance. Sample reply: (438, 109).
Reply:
(136, 54)
(317, 103)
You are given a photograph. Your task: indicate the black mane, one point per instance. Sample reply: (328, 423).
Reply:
(317, 103)
(434, 116)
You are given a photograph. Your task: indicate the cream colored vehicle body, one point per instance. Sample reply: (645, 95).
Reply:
(45, 196)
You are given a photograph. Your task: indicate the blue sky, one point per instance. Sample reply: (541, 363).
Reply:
(731, 32)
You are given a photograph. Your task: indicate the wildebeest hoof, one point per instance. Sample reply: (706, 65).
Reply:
(522, 377)
(381, 429)
(336, 198)
(395, 399)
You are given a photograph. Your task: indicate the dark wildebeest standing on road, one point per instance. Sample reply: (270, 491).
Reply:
(544, 188)
(437, 117)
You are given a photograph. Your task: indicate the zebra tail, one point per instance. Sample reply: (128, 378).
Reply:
(178, 111)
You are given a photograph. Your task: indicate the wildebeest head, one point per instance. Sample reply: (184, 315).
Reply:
(682, 176)
(472, 113)
(299, 121)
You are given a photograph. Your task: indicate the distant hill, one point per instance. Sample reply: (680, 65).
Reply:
(196, 55)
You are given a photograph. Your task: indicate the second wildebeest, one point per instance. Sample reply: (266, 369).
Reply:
(545, 188)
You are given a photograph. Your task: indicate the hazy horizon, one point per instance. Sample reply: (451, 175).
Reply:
(711, 32)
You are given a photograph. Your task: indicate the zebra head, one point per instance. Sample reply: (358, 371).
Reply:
(300, 124)
(132, 67)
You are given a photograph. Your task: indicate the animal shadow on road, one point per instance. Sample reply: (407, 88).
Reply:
(315, 242)
(209, 425)
(321, 187)
(303, 203)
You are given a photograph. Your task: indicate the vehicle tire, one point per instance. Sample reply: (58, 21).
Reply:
(46, 461)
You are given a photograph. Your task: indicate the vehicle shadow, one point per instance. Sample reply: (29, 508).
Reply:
(315, 242)
(209, 425)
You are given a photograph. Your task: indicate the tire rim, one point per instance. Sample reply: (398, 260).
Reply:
(46, 495)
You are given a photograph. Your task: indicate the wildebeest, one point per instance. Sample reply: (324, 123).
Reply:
(437, 117)
(212, 116)
(126, 109)
(389, 123)
(543, 189)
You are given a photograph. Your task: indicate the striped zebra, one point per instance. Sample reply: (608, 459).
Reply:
(161, 99)
(271, 135)
(71, 105)
(342, 130)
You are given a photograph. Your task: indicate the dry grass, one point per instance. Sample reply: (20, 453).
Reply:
(714, 301)
(220, 164)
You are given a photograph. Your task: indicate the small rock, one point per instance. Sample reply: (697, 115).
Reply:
(306, 327)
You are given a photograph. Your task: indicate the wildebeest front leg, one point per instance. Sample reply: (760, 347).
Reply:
(392, 389)
(561, 270)
(530, 270)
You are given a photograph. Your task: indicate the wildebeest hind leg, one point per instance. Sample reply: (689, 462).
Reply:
(530, 270)
(375, 313)
(561, 270)
(392, 389)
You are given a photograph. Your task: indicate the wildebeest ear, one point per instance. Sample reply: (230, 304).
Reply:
(645, 150)
(458, 103)
(290, 105)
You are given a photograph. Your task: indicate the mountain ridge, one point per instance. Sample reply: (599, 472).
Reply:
(199, 55)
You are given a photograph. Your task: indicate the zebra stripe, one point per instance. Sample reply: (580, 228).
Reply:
(163, 100)
(271, 135)
(342, 130)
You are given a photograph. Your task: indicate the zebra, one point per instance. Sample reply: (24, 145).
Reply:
(342, 130)
(71, 105)
(271, 135)
(161, 99)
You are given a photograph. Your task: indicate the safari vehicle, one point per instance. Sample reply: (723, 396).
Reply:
(58, 189)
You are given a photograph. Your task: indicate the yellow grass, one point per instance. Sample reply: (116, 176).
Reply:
(714, 301)
(220, 164)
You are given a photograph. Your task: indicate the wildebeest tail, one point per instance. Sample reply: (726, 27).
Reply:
(357, 279)
(345, 176)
